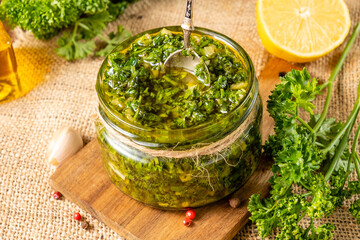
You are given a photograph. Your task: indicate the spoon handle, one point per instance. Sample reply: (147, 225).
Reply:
(188, 26)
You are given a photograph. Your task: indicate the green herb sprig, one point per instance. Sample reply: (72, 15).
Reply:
(313, 155)
(87, 19)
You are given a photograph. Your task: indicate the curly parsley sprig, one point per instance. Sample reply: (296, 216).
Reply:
(313, 155)
(86, 18)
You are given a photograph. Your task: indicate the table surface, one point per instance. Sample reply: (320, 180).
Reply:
(65, 95)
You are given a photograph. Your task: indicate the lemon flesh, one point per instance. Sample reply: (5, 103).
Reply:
(302, 30)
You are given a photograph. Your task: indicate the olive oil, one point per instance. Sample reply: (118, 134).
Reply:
(9, 80)
(186, 78)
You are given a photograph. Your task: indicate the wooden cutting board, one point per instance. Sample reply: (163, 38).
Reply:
(83, 180)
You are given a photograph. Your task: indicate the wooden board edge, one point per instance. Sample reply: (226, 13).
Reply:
(86, 207)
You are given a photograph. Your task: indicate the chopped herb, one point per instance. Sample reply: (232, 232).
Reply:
(178, 97)
(313, 155)
(135, 89)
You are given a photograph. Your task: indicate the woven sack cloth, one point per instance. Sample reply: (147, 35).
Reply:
(65, 95)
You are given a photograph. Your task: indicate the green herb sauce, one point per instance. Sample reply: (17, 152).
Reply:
(172, 183)
(138, 87)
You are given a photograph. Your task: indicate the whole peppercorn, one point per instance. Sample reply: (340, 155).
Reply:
(85, 225)
(57, 195)
(282, 74)
(190, 214)
(234, 202)
(77, 216)
(186, 222)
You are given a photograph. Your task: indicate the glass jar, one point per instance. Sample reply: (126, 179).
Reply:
(180, 168)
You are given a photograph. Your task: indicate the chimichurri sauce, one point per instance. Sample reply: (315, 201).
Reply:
(137, 87)
(136, 93)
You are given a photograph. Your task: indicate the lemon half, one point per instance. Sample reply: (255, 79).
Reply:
(302, 30)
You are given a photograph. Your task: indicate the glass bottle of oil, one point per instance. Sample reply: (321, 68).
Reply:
(9, 81)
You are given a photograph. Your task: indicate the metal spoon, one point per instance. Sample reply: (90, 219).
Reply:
(188, 63)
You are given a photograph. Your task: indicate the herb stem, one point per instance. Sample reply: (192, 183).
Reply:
(339, 151)
(335, 73)
(348, 169)
(349, 121)
(75, 31)
(354, 154)
(83, 25)
(355, 141)
(304, 185)
(357, 167)
(324, 85)
(104, 39)
(305, 124)
(308, 194)
(301, 121)
(138, 109)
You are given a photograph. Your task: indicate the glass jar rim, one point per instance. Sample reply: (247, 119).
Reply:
(105, 107)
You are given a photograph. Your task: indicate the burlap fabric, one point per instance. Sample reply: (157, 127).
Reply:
(66, 97)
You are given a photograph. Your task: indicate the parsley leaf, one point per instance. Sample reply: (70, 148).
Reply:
(71, 48)
(115, 39)
(313, 155)
(92, 26)
(46, 18)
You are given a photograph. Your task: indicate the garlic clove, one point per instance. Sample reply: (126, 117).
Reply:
(65, 143)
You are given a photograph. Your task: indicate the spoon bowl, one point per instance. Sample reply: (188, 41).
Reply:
(190, 62)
